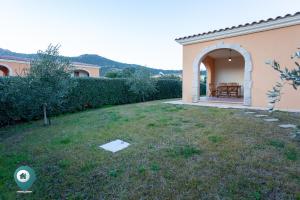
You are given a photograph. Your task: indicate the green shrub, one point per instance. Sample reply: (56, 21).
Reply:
(18, 104)
(202, 89)
(168, 88)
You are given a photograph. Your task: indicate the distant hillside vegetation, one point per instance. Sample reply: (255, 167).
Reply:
(105, 64)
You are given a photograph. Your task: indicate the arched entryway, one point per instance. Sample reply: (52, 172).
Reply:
(81, 73)
(218, 51)
(4, 71)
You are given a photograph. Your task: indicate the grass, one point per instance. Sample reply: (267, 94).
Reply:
(276, 143)
(215, 138)
(176, 152)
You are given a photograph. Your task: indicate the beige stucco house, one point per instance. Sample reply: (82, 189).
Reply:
(237, 56)
(12, 66)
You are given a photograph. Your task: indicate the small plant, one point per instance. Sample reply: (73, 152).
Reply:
(291, 153)
(114, 172)
(276, 143)
(151, 125)
(142, 169)
(65, 141)
(200, 125)
(215, 138)
(64, 164)
(257, 195)
(186, 151)
(155, 167)
(87, 167)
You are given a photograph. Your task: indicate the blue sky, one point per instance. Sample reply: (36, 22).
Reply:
(131, 31)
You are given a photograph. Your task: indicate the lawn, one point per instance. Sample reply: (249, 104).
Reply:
(176, 152)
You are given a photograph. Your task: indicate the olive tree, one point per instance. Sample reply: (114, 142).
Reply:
(141, 84)
(49, 80)
(124, 73)
(290, 77)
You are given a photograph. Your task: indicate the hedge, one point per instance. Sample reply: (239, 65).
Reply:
(88, 93)
(202, 89)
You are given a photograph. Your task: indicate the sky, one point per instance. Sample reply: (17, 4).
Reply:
(131, 31)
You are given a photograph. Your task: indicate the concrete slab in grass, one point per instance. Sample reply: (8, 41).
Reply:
(295, 135)
(287, 126)
(250, 112)
(115, 145)
(271, 120)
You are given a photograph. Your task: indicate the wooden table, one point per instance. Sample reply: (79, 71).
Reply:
(227, 88)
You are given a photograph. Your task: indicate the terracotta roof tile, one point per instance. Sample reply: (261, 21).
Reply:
(238, 26)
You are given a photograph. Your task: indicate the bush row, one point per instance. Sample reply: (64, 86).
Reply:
(16, 104)
(202, 89)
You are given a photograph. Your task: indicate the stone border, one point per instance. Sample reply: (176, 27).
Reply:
(247, 71)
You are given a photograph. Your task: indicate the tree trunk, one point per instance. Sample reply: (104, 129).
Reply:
(46, 121)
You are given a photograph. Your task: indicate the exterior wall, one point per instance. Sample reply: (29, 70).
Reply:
(19, 68)
(278, 44)
(228, 72)
(15, 67)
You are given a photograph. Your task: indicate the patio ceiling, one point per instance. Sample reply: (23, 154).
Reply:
(223, 53)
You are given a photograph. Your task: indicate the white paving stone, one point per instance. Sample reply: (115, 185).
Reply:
(261, 115)
(271, 120)
(293, 135)
(115, 145)
(287, 126)
(250, 112)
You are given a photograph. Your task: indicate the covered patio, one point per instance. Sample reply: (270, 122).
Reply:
(235, 59)
(225, 76)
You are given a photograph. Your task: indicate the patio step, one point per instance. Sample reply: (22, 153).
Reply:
(223, 102)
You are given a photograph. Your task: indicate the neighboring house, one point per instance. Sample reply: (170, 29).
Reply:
(13, 66)
(86, 70)
(238, 55)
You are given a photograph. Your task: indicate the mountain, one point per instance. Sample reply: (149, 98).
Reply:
(105, 63)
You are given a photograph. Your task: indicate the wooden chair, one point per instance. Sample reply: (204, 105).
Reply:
(233, 91)
(222, 90)
(212, 90)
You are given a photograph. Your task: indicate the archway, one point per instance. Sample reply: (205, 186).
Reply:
(247, 82)
(81, 73)
(4, 71)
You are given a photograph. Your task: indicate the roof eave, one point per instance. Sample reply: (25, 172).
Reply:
(253, 28)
